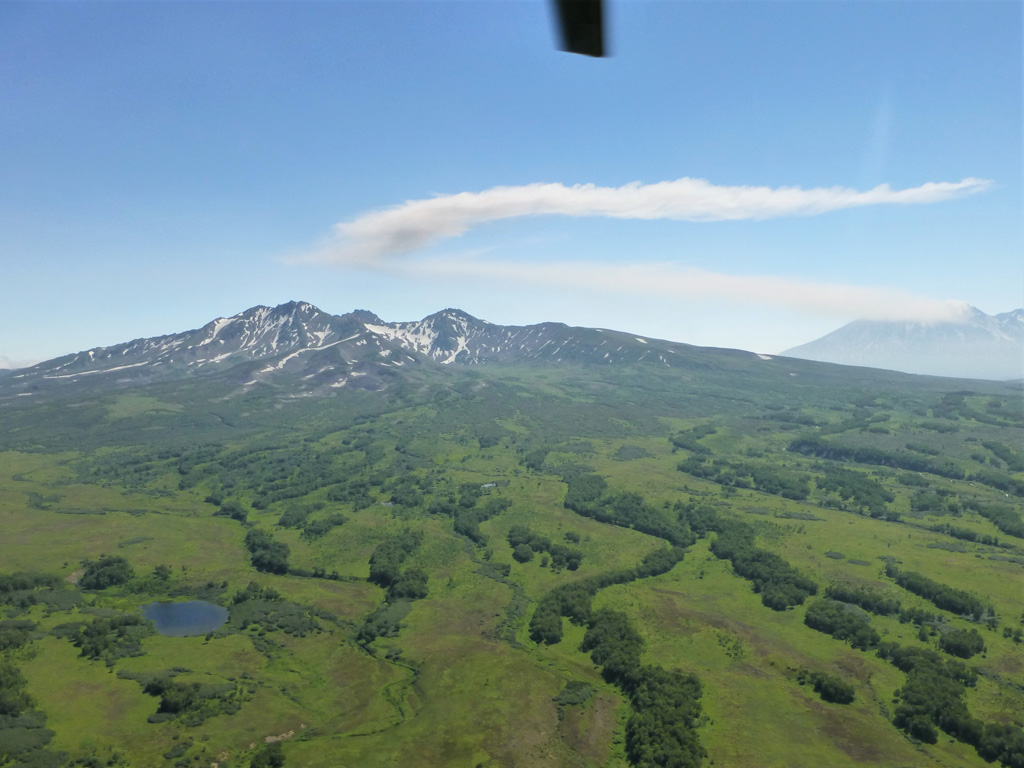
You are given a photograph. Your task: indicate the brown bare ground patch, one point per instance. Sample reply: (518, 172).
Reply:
(696, 617)
(854, 666)
(840, 729)
(1010, 664)
(588, 731)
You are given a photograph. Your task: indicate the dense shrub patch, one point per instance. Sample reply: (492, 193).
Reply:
(105, 572)
(780, 585)
(766, 478)
(525, 543)
(943, 596)
(932, 699)
(587, 495)
(867, 599)
(867, 495)
(830, 688)
(662, 727)
(108, 638)
(964, 643)
(268, 555)
(843, 622)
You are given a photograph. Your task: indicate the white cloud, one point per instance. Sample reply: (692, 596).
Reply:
(7, 363)
(419, 223)
(652, 280)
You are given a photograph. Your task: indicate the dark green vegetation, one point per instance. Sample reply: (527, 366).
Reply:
(832, 689)
(752, 562)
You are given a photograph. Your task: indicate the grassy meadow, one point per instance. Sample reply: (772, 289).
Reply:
(379, 615)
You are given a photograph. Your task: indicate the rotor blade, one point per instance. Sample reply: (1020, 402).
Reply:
(581, 23)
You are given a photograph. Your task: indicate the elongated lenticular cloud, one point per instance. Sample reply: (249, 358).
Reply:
(418, 223)
(652, 280)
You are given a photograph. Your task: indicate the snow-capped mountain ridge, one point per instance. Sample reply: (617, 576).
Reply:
(325, 351)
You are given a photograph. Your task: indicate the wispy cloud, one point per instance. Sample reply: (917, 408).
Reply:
(654, 280)
(416, 224)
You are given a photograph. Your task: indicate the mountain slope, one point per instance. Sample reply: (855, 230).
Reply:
(314, 351)
(980, 346)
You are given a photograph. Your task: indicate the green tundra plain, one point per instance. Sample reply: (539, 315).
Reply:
(743, 563)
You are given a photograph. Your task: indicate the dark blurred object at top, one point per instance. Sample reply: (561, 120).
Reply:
(581, 23)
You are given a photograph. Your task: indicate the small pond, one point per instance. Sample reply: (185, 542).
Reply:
(196, 617)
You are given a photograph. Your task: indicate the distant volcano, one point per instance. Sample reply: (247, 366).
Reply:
(978, 347)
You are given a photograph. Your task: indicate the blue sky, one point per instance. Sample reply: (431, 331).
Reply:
(163, 164)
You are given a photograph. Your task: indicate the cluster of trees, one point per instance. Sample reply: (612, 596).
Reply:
(385, 621)
(296, 473)
(111, 638)
(843, 622)
(13, 698)
(105, 572)
(823, 449)
(12, 583)
(1002, 517)
(867, 495)
(268, 470)
(942, 596)
(587, 495)
(868, 599)
(912, 480)
(268, 555)
(314, 529)
(229, 508)
(298, 516)
(998, 480)
(23, 590)
(573, 601)
(268, 756)
(569, 600)
(525, 543)
(15, 633)
(662, 727)
(266, 607)
(832, 689)
(386, 567)
(355, 491)
(467, 513)
(793, 415)
(23, 735)
(534, 460)
(192, 703)
(877, 603)
(780, 585)
(1014, 461)
(408, 488)
(687, 440)
(767, 478)
(276, 473)
(933, 501)
(965, 534)
(829, 687)
(1017, 635)
(255, 591)
(932, 699)
(964, 643)
(631, 452)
